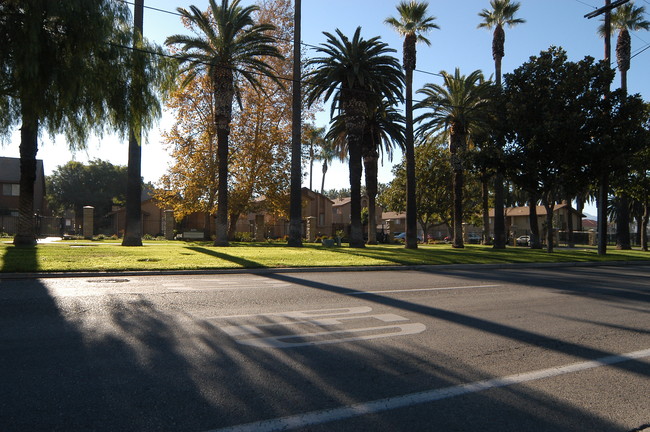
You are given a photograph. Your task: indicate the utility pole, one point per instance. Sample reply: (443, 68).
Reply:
(133, 223)
(603, 189)
(295, 199)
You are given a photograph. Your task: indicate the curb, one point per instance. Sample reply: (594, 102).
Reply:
(432, 268)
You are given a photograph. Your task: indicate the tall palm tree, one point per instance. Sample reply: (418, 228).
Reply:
(315, 138)
(230, 48)
(461, 107)
(326, 155)
(412, 22)
(355, 73)
(501, 14)
(384, 130)
(625, 18)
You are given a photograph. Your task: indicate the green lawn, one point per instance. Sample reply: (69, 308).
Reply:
(163, 255)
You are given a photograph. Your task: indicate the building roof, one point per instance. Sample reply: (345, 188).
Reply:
(393, 215)
(338, 202)
(10, 169)
(525, 211)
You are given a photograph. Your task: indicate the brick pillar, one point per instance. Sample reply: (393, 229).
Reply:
(88, 222)
(169, 224)
(259, 228)
(311, 229)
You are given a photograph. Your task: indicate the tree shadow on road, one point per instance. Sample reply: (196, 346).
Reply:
(137, 362)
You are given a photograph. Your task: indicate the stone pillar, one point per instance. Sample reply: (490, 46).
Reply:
(311, 229)
(169, 225)
(259, 228)
(88, 222)
(392, 229)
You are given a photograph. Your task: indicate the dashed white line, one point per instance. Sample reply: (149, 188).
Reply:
(373, 407)
(422, 289)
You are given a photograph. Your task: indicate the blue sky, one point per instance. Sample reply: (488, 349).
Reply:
(458, 43)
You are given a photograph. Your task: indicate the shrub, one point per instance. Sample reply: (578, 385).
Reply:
(243, 236)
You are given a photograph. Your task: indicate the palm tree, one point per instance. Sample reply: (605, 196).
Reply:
(315, 137)
(461, 107)
(326, 154)
(502, 14)
(625, 18)
(384, 129)
(413, 22)
(355, 73)
(231, 48)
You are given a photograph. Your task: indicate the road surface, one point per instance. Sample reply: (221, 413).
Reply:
(565, 349)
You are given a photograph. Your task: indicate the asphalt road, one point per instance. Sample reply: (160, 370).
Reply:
(565, 349)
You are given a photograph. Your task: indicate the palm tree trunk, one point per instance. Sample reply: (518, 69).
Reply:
(411, 206)
(486, 210)
(322, 183)
(370, 166)
(535, 242)
(549, 206)
(355, 164)
(499, 216)
(623, 223)
(644, 227)
(133, 227)
(25, 231)
(222, 190)
(601, 203)
(133, 222)
(223, 85)
(295, 205)
(456, 144)
(570, 239)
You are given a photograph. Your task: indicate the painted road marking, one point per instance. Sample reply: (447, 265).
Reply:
(422, 289)
(387, 404)
(226, 284)
(291, 323)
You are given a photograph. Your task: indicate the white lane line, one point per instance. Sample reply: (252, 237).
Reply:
(373, 407)
(422, 289)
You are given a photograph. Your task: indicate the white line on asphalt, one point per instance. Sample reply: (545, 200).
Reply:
(372, 407)
(422, 289)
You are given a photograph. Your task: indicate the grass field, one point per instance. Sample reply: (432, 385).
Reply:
(173, 255)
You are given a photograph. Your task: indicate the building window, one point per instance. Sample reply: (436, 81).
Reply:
(9, 189)
(321, 219)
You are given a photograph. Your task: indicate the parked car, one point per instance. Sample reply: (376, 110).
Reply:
(474, 238)
(402, 236)
(523, 241)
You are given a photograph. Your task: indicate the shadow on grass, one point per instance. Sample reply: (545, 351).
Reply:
(227, 257)
(472, 254)
(19, 259)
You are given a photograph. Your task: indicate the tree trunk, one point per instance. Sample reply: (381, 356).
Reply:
(486, 210)
(535, 242)
(499, 205)
(601, 202)
(221, 222)
(644, 227)
(370, 165)
(295, 205)
(355, 164)
(456, 145)
(623, 223)
(411, 206)
(133, 227)
(25, 231)
(322, 183)
(549, 206)
(133, 222)
(569, 224)
(580, 206)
